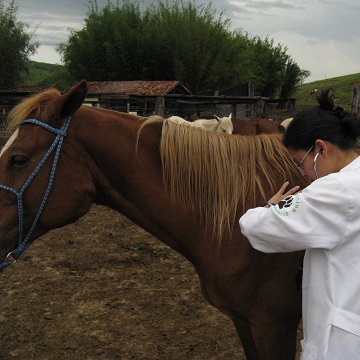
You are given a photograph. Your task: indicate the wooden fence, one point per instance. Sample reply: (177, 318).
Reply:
(186, 105)
(173, 104)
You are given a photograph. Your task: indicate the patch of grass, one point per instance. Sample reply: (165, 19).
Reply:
(343, 86)
(39, 72)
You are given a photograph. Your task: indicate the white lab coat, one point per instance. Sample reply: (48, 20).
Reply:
(324, 219)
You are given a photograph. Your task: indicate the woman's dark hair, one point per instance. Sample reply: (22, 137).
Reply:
(325, 122)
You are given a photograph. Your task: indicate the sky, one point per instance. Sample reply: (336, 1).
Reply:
(322, 36)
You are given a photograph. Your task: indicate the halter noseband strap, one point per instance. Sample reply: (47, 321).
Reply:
(23, 244)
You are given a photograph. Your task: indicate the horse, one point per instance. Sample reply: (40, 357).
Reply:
(186, 186)
(254, 126)
(221, 125)
(243, 126)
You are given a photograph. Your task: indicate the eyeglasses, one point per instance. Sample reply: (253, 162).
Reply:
(298, 164)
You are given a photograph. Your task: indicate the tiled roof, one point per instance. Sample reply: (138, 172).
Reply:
(35, 88)
(136, 87)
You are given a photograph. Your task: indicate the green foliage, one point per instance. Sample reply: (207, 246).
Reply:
(15, 47)
(178, 41)
(109, 47)
(274, 72)
(199, 49)
(293, 76)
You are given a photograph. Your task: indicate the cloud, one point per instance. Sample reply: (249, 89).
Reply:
(264, 6)
(324, 59)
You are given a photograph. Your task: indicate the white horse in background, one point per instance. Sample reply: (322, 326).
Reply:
(284, 124)
(223, 125)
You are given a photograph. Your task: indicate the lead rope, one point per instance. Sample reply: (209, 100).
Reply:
(23, 244)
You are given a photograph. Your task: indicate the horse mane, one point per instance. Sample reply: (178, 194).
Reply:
(214, 173)
(30, 106)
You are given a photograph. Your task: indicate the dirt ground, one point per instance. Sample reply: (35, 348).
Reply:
(103, 288)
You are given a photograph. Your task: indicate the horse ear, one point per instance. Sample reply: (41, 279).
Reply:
(217, 118)
(230, 116)
(73, 99)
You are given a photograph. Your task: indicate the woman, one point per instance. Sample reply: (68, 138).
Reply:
(324, 220)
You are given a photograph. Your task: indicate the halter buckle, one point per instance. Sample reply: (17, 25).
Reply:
(10, 259)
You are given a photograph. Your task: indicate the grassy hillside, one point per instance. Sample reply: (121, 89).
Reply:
(343, 86)
(39, 72)
(44, 74)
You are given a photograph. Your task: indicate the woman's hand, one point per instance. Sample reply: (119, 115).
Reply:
(280, 195)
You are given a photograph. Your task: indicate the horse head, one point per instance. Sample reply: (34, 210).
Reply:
(28, 163)
(225, 124)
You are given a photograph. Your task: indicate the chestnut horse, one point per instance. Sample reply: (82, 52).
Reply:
(255, 126)
(186, 186)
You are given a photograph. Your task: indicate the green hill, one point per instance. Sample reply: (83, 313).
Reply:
(43, 74)
(39, 72)
(343, 86)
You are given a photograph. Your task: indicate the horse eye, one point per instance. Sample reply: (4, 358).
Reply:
(18, 160)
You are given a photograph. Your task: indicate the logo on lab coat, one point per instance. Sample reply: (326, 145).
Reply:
(288, 206)
(286, 203)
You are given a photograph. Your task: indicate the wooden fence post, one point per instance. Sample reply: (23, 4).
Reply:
(160, 106)
(290, 105)
(259, 107)
(355, 102)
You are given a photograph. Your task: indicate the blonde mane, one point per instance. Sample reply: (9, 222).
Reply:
(30, 106)
(215, 173)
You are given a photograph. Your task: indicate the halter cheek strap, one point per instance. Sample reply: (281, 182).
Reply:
(23, 244)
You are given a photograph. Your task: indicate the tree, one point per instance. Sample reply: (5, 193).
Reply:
(110, 46)
(292, 77)
(15, 46)
(178, 41)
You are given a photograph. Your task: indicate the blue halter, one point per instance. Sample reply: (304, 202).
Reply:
(23, 244)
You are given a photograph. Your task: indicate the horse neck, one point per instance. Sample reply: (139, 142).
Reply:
(128, 176)
(118, 158)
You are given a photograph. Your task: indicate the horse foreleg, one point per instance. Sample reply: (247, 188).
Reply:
(274, 339)
(243, 329)
(266, 338)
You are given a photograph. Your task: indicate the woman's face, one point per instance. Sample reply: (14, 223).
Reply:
(308, 162)
(322, 159)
